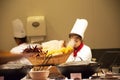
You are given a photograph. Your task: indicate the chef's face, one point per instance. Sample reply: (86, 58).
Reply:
(77, 39)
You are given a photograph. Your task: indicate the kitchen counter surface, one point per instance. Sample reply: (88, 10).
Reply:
(96, 76)
(73, 79)
(109, 78)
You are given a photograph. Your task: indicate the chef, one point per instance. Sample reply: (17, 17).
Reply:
(21, 40)
(81, 51)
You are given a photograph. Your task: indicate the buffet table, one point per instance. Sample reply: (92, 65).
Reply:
(102, 77)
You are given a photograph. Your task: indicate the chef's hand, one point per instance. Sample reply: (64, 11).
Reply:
(71, 43)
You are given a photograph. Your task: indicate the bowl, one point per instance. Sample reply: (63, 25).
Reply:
(39, 75)
(86, 69)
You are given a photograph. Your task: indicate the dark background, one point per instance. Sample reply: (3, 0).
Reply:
(107, 57)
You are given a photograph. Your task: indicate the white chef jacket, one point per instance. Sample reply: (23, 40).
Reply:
(84, 54)
(19, 49)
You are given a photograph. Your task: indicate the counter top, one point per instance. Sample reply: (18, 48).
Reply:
(94, 77)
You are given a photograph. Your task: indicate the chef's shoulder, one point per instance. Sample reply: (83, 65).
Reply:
(86, 47)
(17, 50)
(20, 48)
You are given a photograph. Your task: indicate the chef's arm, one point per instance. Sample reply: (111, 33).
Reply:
(6, 57)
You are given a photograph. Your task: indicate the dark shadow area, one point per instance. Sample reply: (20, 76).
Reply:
(107, 57)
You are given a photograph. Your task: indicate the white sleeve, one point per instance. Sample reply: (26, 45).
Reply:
(16, 50)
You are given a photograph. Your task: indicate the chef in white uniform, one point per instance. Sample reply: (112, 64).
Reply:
(81, 51)
(21, 40)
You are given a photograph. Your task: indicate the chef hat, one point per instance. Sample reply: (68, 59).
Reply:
(18, 28)
(79, 27)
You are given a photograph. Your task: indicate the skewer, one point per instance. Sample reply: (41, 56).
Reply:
(45, 61)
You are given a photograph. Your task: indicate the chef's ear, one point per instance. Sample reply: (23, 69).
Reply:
(17, 40)
(20, 40)
(80, 38)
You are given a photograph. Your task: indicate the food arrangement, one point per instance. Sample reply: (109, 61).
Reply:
(51, 52)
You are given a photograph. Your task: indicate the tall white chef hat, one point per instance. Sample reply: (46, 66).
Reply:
(79, 27)
(18, 28)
